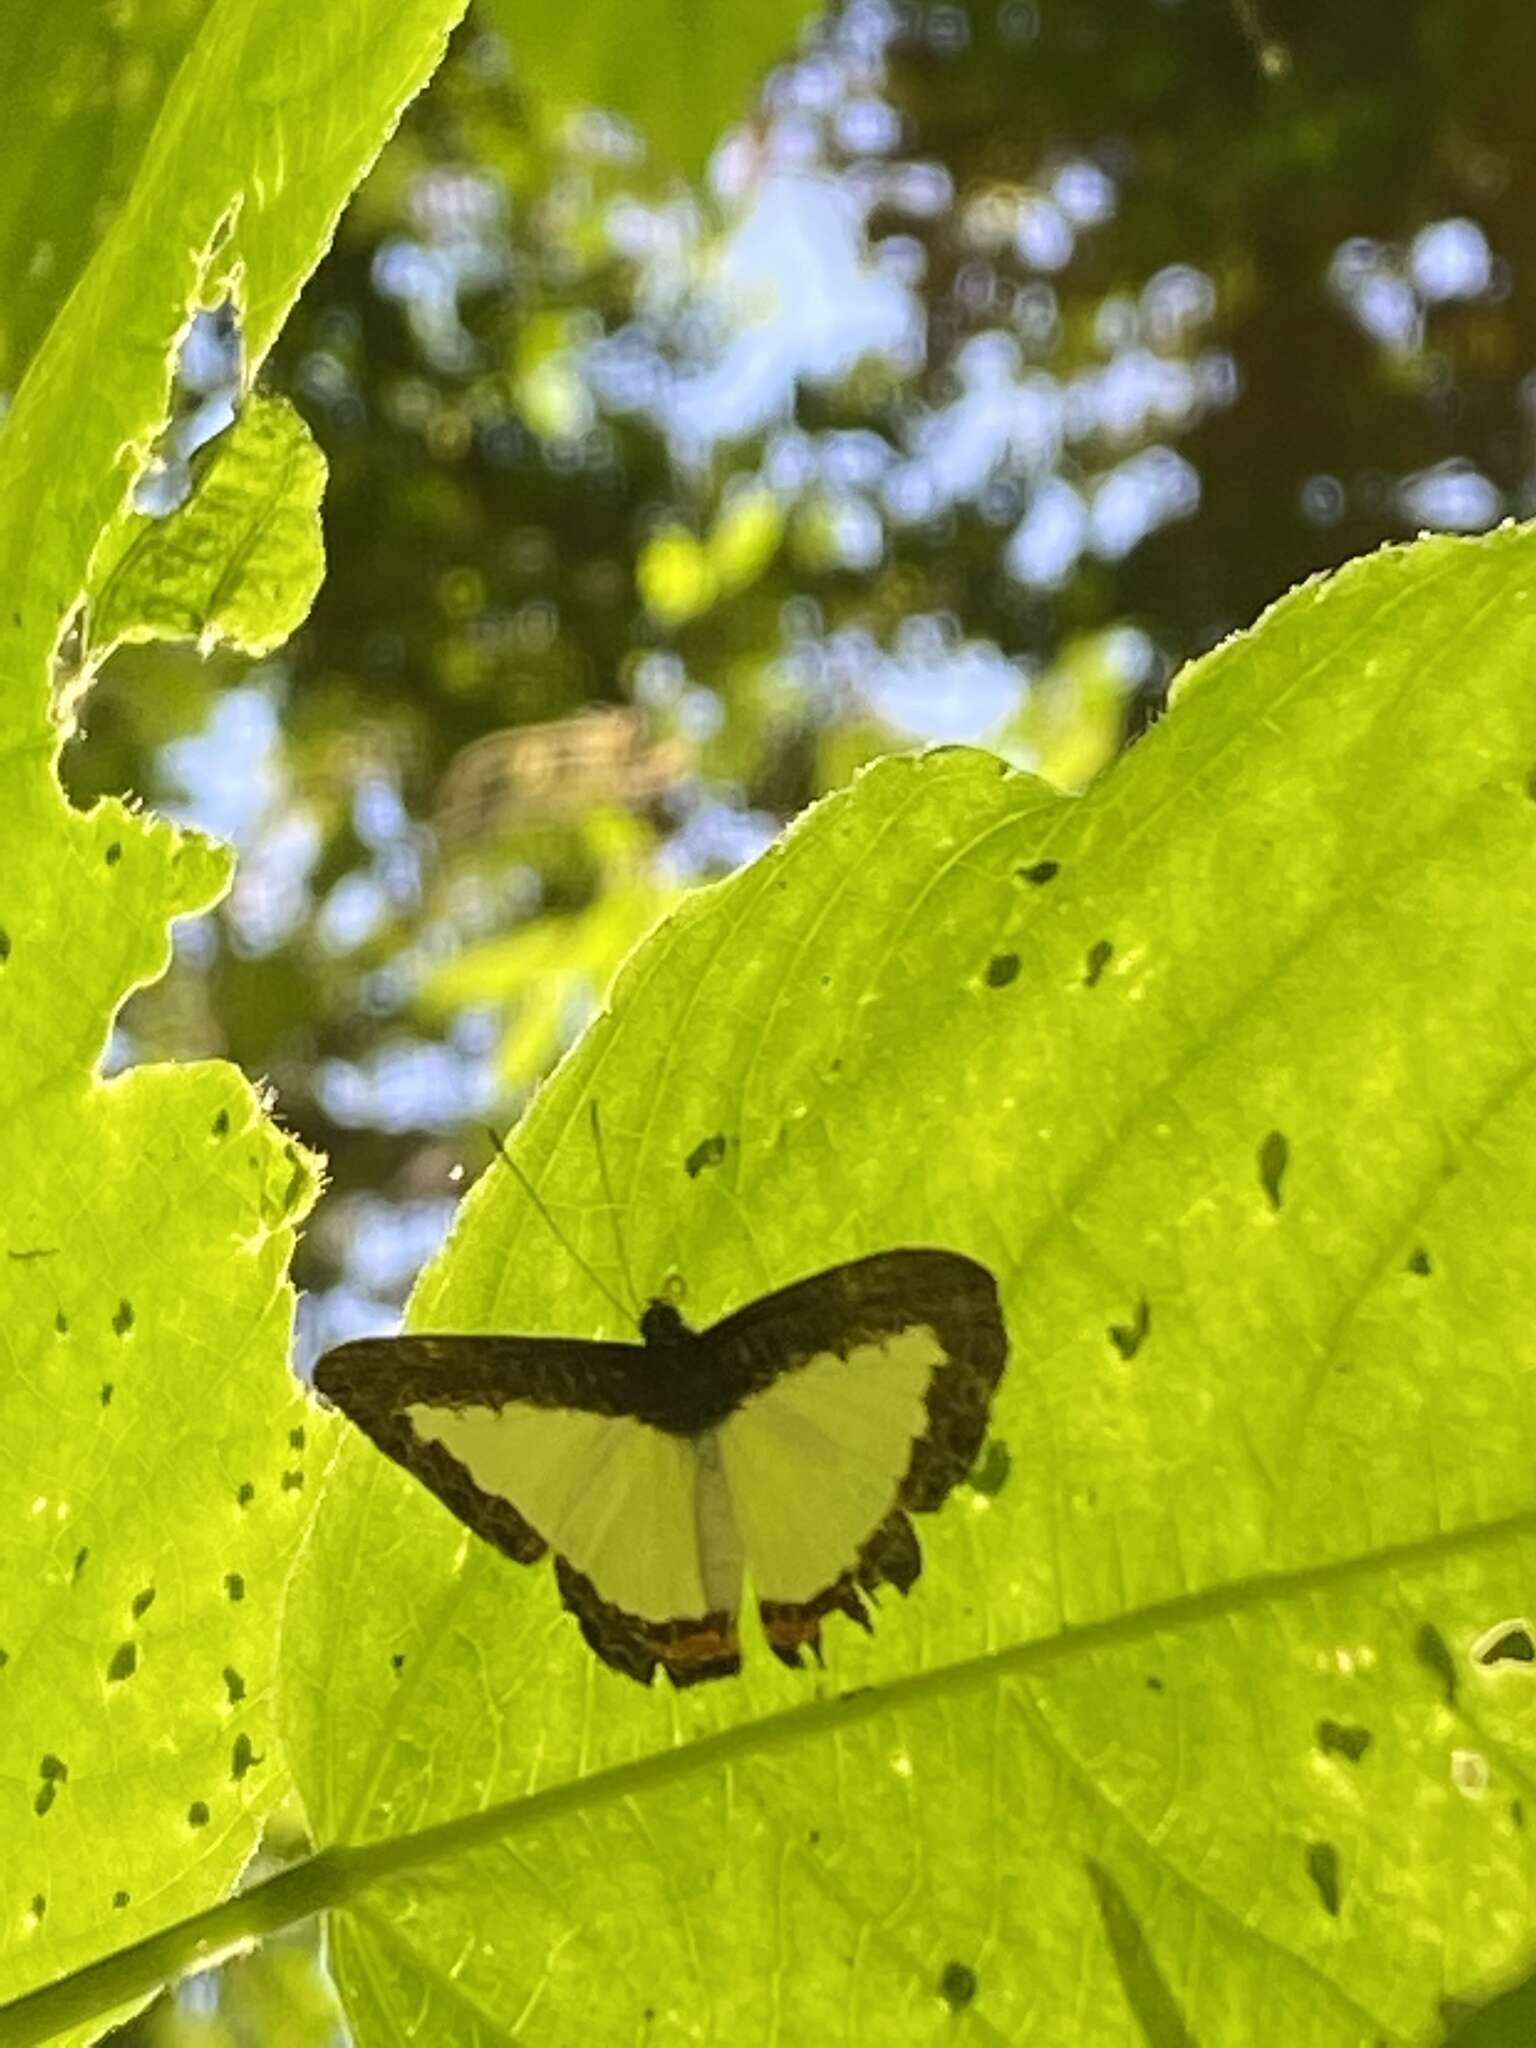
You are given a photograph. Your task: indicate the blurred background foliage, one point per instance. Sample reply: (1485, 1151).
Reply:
(718, 397)
(710, 408)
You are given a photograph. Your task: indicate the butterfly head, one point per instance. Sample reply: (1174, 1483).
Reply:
(662, 1324)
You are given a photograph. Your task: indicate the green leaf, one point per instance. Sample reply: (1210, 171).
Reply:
(1226, 1070)
(240, 561)
(159, 1464)
(682, 71)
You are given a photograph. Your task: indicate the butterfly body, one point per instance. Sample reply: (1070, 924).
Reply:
(787, 1443)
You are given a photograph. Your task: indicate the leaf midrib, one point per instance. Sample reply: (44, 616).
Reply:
(338, 1874)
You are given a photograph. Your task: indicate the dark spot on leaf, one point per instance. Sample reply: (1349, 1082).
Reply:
(1335, 1738)
(80, 1556)
(105, 1395)
(39, 1905)
(1323, 1869)
(234, 1585)
(397, 1661)
(246, 1493)
(234, 1685)
(292, 1481)
(61, 1323)
(125, 1661)
(221, 1124)
(296, 1438)
(1128, 1338)
(814, 1837)
(242, 1757)
(119, 1899)
(989, 1475)
(1418, 1262)
(708, 1152)
(1154, 1683)
(197, 1814)
(1274, 1157)
(1099, 957)
(114, 853)
(957, 1986)
(1042, 871)
(1517, 1812)
(46, 1794)
(649, 2013)
(1001, 969)
(51, 1766)
(1429, 1646)
(1510, 1644)
(122, 1322)
(5, 1658)
(5, 945)
(142, 1602)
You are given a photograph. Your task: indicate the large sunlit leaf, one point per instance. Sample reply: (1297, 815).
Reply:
(1208, 1720)
(157, 1469)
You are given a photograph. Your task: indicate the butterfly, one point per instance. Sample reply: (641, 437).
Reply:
(790, 1442)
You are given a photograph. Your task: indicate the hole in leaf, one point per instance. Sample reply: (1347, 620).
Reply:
(296, 1438)
(1099, 956)
(1430, 1647)
(197, 1814)
(1002, 968)
(39, 1905)
(1418, 1262)
(119, 1899)
(1517, 1812)
(105, 1396)
(246, 1493)
(5, 945)
(221, 1124)
(1043, 871)
(114, 853)
(1507, 1642)
(234, 1685)
(234, 1585)
(292, 1481)
(5, 1658)
(122, 1322)
(1128, 1338)
(989, 1475)
(61, 1323)
(1323, 1869)
(142, 1602)
(957, 1986)
(242, 1757)
(397, 1661)
(1154, 1683)
(125, 1661)
(708, 1152)
(46, 1794)
(1274, 1157)
(1335, 1738)
(79, 1565)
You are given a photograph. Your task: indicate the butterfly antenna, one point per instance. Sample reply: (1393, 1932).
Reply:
(547, 1213)
(613, 1207)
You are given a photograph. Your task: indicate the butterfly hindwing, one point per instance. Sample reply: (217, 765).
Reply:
(886, 1370)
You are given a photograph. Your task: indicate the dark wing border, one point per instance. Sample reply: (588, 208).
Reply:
(859, 1303)
(373, 1380)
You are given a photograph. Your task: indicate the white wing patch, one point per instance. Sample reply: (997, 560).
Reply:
(630, 1507)
(814, 1462)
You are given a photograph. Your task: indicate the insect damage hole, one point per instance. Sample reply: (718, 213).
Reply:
(1323, 1869)
(1042, 872)
(125, 1661)
(1128, 1338)
(958, 1985)
(1274, 1158)
(1002, 969)
(1099, 956)
(122, 1322)
(1507, 1642)
(708, 1152)
(1337, 1738)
